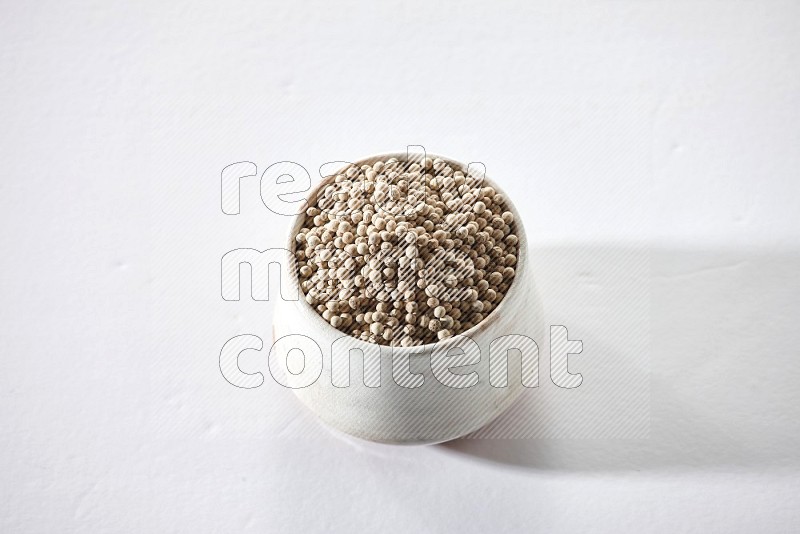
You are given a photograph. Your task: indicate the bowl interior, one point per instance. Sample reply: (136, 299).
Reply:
(311, 314)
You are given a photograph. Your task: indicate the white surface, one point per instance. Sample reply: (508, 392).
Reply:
(673, 124)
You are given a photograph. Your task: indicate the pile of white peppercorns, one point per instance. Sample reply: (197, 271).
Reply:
(406, 253)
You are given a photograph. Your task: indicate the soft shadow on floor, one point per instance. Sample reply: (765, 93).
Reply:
(724, 368)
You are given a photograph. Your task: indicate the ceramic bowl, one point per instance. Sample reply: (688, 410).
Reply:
(403, 408)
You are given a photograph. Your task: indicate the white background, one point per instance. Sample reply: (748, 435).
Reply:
(663, 128)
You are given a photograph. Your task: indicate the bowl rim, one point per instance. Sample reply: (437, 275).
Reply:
(416, 350)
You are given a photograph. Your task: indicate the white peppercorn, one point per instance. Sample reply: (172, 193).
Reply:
(369, 255)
